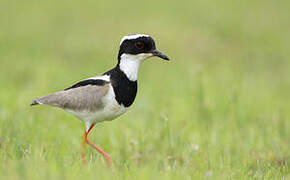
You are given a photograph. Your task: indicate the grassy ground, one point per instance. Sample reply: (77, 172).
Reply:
(218, 110)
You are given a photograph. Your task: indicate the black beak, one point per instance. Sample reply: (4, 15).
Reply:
(160, 54)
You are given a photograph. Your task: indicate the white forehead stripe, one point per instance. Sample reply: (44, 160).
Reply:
(133, 36)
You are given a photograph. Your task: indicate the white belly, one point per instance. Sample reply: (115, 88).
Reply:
(110, 111)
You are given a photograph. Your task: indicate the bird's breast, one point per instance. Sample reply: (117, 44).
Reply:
(112, 108)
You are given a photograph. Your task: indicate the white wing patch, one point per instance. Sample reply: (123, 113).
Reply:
(103, 77)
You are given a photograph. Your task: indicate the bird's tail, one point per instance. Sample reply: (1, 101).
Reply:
(43, 100)
(51, 99)
(35, 102)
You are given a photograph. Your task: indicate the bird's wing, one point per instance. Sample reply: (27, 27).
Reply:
(85, 95)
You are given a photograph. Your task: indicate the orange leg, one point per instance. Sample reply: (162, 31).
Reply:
(85, 140)
(83, 154)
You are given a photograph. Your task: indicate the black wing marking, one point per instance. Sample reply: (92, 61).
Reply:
(95, 82)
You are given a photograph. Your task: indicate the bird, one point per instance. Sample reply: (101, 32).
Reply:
(109, 95)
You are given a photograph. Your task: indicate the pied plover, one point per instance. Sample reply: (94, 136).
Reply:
(105, 97)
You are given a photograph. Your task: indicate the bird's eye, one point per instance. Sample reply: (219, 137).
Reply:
(139, 45)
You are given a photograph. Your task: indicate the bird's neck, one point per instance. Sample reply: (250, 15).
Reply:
(125, 88)
(129, 65)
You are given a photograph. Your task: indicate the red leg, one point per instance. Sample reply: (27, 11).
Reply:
(106, 156)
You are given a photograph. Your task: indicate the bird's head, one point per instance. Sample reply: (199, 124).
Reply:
(138, 47)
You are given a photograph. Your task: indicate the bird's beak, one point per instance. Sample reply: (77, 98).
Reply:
(160, 54)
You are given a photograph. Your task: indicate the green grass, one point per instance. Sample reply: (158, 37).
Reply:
(218, 110)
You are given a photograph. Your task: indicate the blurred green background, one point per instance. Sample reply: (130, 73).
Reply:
(218, 110)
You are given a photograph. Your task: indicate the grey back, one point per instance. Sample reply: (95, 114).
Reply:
(84, 98)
